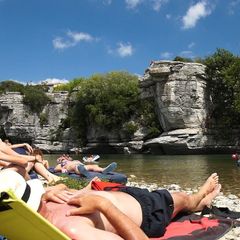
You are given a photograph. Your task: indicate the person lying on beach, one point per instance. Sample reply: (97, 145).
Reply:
(26, 146)
(130, 213)
(24, 163)
(67, 165)
(37, 151)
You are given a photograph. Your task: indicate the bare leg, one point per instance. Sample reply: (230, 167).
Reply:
(40, 169)
(93, 167)
(207, 201)
(185, 202)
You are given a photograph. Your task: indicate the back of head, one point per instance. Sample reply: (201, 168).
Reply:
(29, 191)
(37, 151)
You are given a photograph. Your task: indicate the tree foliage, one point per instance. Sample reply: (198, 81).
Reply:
(106, 100)
(35, 98)
(182, 59)
(223, 77)
(70, 86)
(34, 95)
(11, 86)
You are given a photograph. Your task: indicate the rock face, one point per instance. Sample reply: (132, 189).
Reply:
(21, 125)
(179, 90)
(183, 108)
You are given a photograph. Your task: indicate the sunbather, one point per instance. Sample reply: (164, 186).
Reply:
(67, 165)
(25, 146)
(130, 214)
(24, 163)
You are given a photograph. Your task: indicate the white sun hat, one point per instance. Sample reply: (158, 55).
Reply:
(29, 191)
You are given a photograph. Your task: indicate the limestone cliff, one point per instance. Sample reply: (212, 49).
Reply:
(22, 125)
(183, 107)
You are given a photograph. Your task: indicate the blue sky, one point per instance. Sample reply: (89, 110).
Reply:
(64, 39)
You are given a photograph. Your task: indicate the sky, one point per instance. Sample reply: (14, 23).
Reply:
(59, 40)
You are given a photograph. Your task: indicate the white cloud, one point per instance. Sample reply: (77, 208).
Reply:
(187, 53)
(59, 43)
(166, 55)
(72, 39)
(53, 81)
(191, 45)
(232, 6)
(168, 16)
(132, 3)
(124, 49)
(107, 2)
(195, 13)
(157, 4)
(80, 36)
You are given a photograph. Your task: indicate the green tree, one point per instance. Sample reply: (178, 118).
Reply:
(106, 100)
(70, 86)
(11, 86)
(182, 59)
(232, 78)
(35, 98)
(221, 86)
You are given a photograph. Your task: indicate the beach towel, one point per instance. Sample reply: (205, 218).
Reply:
(184, 227)
(195, 227)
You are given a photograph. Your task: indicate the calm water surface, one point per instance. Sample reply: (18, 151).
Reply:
(184, 170)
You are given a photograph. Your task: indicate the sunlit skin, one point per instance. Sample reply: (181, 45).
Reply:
(111, 215)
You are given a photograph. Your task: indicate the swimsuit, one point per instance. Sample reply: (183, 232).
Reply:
(157, 209)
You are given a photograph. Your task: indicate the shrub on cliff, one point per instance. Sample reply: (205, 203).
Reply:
(11, 86)
(35, 98)
(106, 100)
(112, 102)
(70, 86)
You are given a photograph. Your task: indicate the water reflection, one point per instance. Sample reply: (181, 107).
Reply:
(185, 170)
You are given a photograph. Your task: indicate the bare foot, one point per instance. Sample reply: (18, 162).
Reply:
(207, 201)
(209, 185)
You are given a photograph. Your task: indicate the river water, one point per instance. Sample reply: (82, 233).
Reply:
(184, 170)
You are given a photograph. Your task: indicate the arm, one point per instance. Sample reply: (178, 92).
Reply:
(25, 145)
(124, 226)
(7, 150)
(18, 159)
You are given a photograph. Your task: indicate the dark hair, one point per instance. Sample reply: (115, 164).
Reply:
(37, 151)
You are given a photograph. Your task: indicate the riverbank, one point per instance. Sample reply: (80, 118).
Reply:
(230, 201)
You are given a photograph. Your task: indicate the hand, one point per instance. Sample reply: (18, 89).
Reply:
(28, 147)
(87, 204)
(57, 195)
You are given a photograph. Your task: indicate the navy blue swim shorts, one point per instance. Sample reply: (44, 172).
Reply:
(157, 209)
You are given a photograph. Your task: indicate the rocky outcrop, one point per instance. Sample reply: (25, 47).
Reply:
(183, 106)
(20, 124)
(179, 90)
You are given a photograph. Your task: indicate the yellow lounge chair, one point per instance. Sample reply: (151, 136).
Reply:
(19, 222)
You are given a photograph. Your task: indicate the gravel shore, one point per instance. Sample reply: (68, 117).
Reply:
(231, 201)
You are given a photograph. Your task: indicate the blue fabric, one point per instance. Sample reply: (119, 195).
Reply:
(110, 176)
(20, 150)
